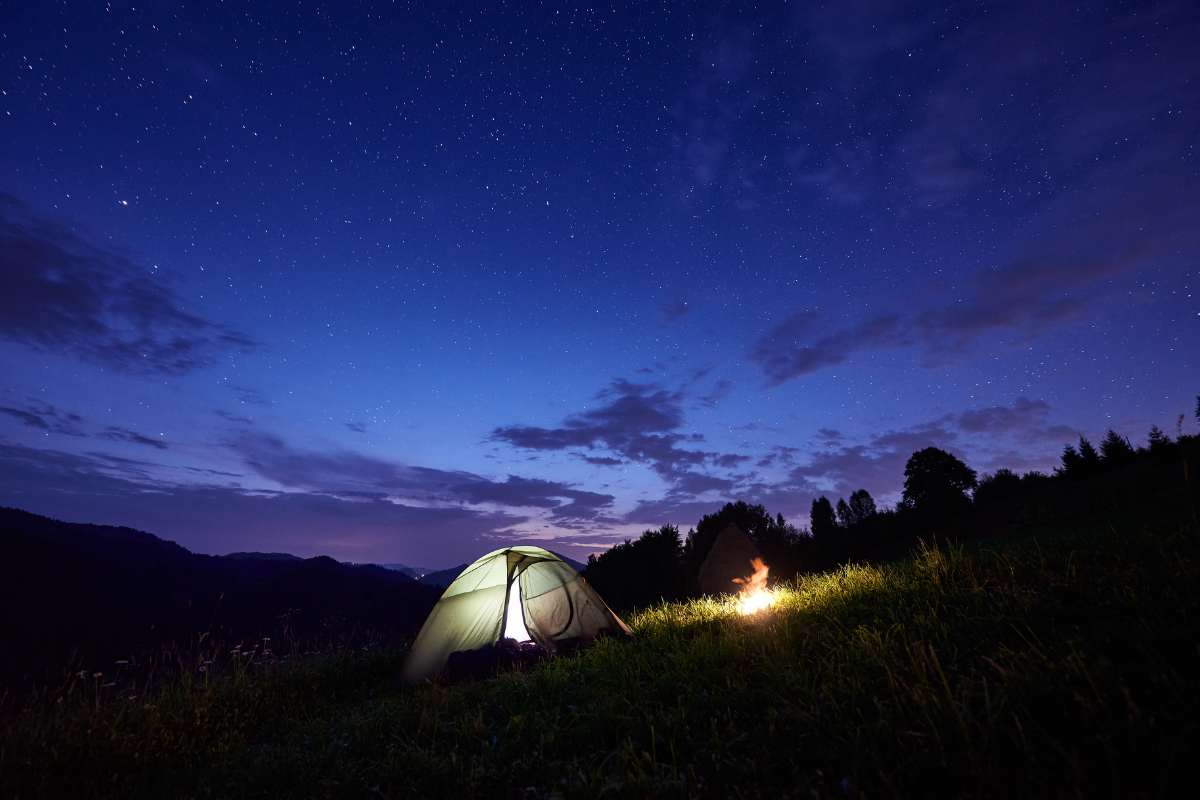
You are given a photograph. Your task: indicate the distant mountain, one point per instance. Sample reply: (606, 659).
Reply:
(444, 577)
(91, 594)
(265, 556)
(413, 572)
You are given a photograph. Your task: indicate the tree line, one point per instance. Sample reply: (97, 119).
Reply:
(943, 499)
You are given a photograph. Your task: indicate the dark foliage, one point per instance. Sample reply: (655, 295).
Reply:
(87, 595)
(641, 572)
(862, 507)
(1157, 441)
(773, 536)
(821, 519)
(1115, 450)
(1000, 487)
(937, 485)
(943, 500)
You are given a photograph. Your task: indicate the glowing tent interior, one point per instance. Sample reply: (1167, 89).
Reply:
(522, 593)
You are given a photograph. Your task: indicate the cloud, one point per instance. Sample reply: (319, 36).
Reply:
(517, 491)
(1025, 420)
(118, 434)
(786, 351)
(1062, 278)
(222, 519)
(638, 422)
(876, 465)
(994, 419)
(600, 461)
(719, 392)
(345, 473)
(247, 395)
(673, 509)
(730, 460)
(696, 483)
(46, 417)
(723, 92)
(673, 311)
(65, 294)
(779, 454)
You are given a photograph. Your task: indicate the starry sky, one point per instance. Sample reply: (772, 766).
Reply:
(401, 282)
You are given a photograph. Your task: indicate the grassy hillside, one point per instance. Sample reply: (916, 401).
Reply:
(1065, 667)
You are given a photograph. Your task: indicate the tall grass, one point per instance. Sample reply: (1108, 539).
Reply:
(1068, 668)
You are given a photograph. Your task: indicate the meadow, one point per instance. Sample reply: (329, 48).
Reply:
(1051, 666)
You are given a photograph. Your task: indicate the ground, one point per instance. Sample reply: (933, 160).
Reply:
(1060, 666)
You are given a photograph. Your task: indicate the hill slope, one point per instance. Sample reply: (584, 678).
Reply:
(1054, 667)
(93, 594)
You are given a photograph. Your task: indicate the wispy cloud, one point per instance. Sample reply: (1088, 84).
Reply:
(637, 422)
(46, 417)
(119, 434)
(65, 294)
(223, 518)
(345, 473)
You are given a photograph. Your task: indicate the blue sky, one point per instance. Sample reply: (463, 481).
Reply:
(399, 283)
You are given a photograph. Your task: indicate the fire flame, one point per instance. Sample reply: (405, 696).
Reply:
(754, 596)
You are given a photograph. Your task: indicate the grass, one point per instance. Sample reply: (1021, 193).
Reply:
(1067, 667)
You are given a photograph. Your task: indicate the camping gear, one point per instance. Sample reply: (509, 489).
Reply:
(729, 557)
(520, 593)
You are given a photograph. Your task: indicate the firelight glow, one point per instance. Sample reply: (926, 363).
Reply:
(754, 596)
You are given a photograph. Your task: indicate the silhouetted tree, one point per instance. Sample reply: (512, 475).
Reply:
(1115, 450)
(1089, 459)
(936, 484)
(1159, 442)
(641, 572)
(1035, 478)
(1071, 462)
(862, 506)
(843, 513)
(1000, 487)
(774, 537)
(821, 518)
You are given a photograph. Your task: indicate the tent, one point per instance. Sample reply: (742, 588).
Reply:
(522, 593)
(728, 558)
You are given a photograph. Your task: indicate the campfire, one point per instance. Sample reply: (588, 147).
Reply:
(754, 595)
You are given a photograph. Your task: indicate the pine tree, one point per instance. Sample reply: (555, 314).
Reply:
(1157, 439)
(1089, 459)
(1116, 450)
(1072, 464)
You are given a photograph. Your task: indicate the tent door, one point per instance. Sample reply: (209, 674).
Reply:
(514, 614)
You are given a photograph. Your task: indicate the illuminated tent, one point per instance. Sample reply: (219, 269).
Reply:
(521, 593)
(728, 558)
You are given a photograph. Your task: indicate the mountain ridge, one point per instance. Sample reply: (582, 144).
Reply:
(78, 594)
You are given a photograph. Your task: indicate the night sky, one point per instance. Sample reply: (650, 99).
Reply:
(399, 283)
